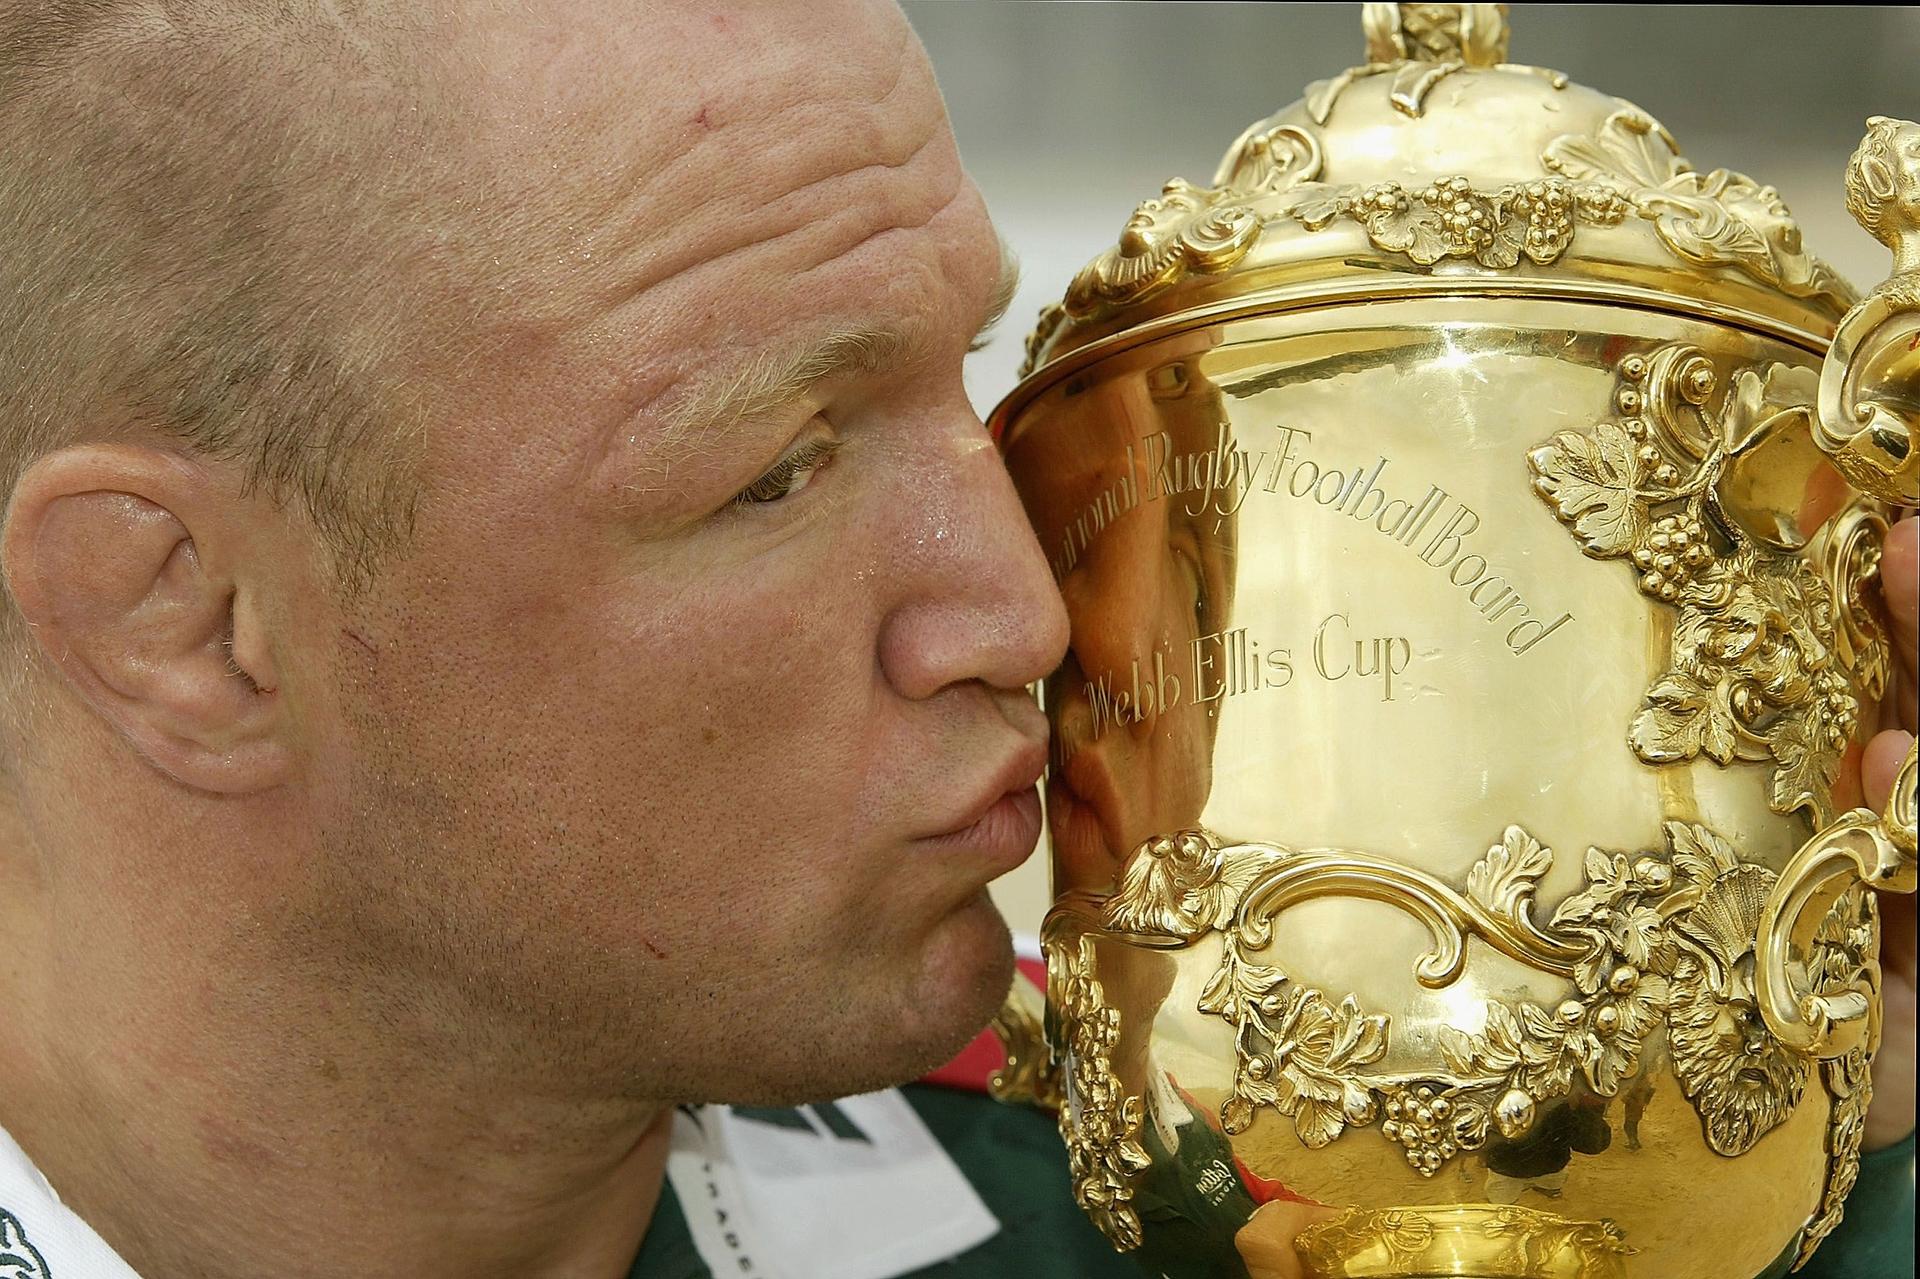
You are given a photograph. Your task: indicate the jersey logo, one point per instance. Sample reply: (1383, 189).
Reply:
(18, 1258)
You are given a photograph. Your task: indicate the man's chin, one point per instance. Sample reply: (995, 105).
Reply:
(890, 1023)
(982, 949)
(964, 972)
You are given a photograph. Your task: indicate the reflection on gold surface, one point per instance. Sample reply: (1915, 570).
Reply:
(1143, 553)
(1268, 1243)
(1421, 692)
(1664, 940)
(1481, 1241)
(1473, 611)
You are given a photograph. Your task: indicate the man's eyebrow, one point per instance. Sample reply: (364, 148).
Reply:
(1003, 291)
(774, 380)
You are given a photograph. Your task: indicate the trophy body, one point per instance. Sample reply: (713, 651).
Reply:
(1470, 636)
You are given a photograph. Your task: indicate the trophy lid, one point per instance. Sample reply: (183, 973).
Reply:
(1440, 168)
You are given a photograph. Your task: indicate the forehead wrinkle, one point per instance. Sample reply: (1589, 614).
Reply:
(703, 239)
(698, 209)
(681, 418)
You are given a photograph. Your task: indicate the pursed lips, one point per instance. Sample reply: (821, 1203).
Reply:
(1016, 776)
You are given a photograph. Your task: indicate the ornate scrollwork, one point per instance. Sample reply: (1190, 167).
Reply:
(1720, 218)
(1656, 938)
(1760, 667)
(1848, 557)
(1450, 219)
(1468, 34)
(1630, 167)
(1849, 1082)
(1191, 228)
(1099, 1121)
(1420, 45)
(1498, 1241)
(1188, 228)
(1264, 161)
(1849, 951)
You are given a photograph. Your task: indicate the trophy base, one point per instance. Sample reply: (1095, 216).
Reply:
(1461, 1241)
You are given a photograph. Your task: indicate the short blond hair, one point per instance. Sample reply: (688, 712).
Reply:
(192, 199)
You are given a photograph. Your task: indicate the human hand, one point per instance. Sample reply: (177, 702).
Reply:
(1891, 1116)
(1265, 1243)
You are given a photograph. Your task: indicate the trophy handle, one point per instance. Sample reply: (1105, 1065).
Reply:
(1029, 1077)
(1858, 848)
(1867, 414)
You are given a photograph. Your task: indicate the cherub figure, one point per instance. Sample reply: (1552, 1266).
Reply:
(1869, 404)
(1883, 192)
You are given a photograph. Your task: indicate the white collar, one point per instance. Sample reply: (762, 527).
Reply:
(854, 1189)
(41, 1235)
(886, 1202)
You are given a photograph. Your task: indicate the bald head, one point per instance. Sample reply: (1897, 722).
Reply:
(205, 213)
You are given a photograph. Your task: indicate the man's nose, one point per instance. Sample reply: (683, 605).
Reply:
(976, 600)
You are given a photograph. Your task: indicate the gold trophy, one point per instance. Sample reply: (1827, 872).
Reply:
(1469, 514)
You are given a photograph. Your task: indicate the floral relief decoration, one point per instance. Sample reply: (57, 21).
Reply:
(1656, 939)
(1848, 947)
(1770, 659)
(1099, 1120)
(1450, 218)
(1190, 228)
(1721, 218)
(1629, 167)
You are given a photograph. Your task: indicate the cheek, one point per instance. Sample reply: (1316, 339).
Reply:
(607, 751)
(757, 693)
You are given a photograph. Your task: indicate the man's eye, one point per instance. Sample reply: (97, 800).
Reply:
(790, 474)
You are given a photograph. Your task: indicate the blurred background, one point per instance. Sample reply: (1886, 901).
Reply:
(1070, 114)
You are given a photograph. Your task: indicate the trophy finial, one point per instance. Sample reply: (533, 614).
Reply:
(1883, 188)
(1473, 34)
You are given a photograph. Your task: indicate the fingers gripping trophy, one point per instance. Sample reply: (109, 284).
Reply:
(1471, 517)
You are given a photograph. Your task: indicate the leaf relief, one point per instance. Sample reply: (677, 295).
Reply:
(1593, 480)
(1504, 880)
(1759, 669)
(1714, 219)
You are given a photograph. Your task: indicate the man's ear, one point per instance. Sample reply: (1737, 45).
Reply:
(122, 560)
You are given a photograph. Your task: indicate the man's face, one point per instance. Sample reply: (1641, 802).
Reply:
(653, 735)
(1150, 592)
